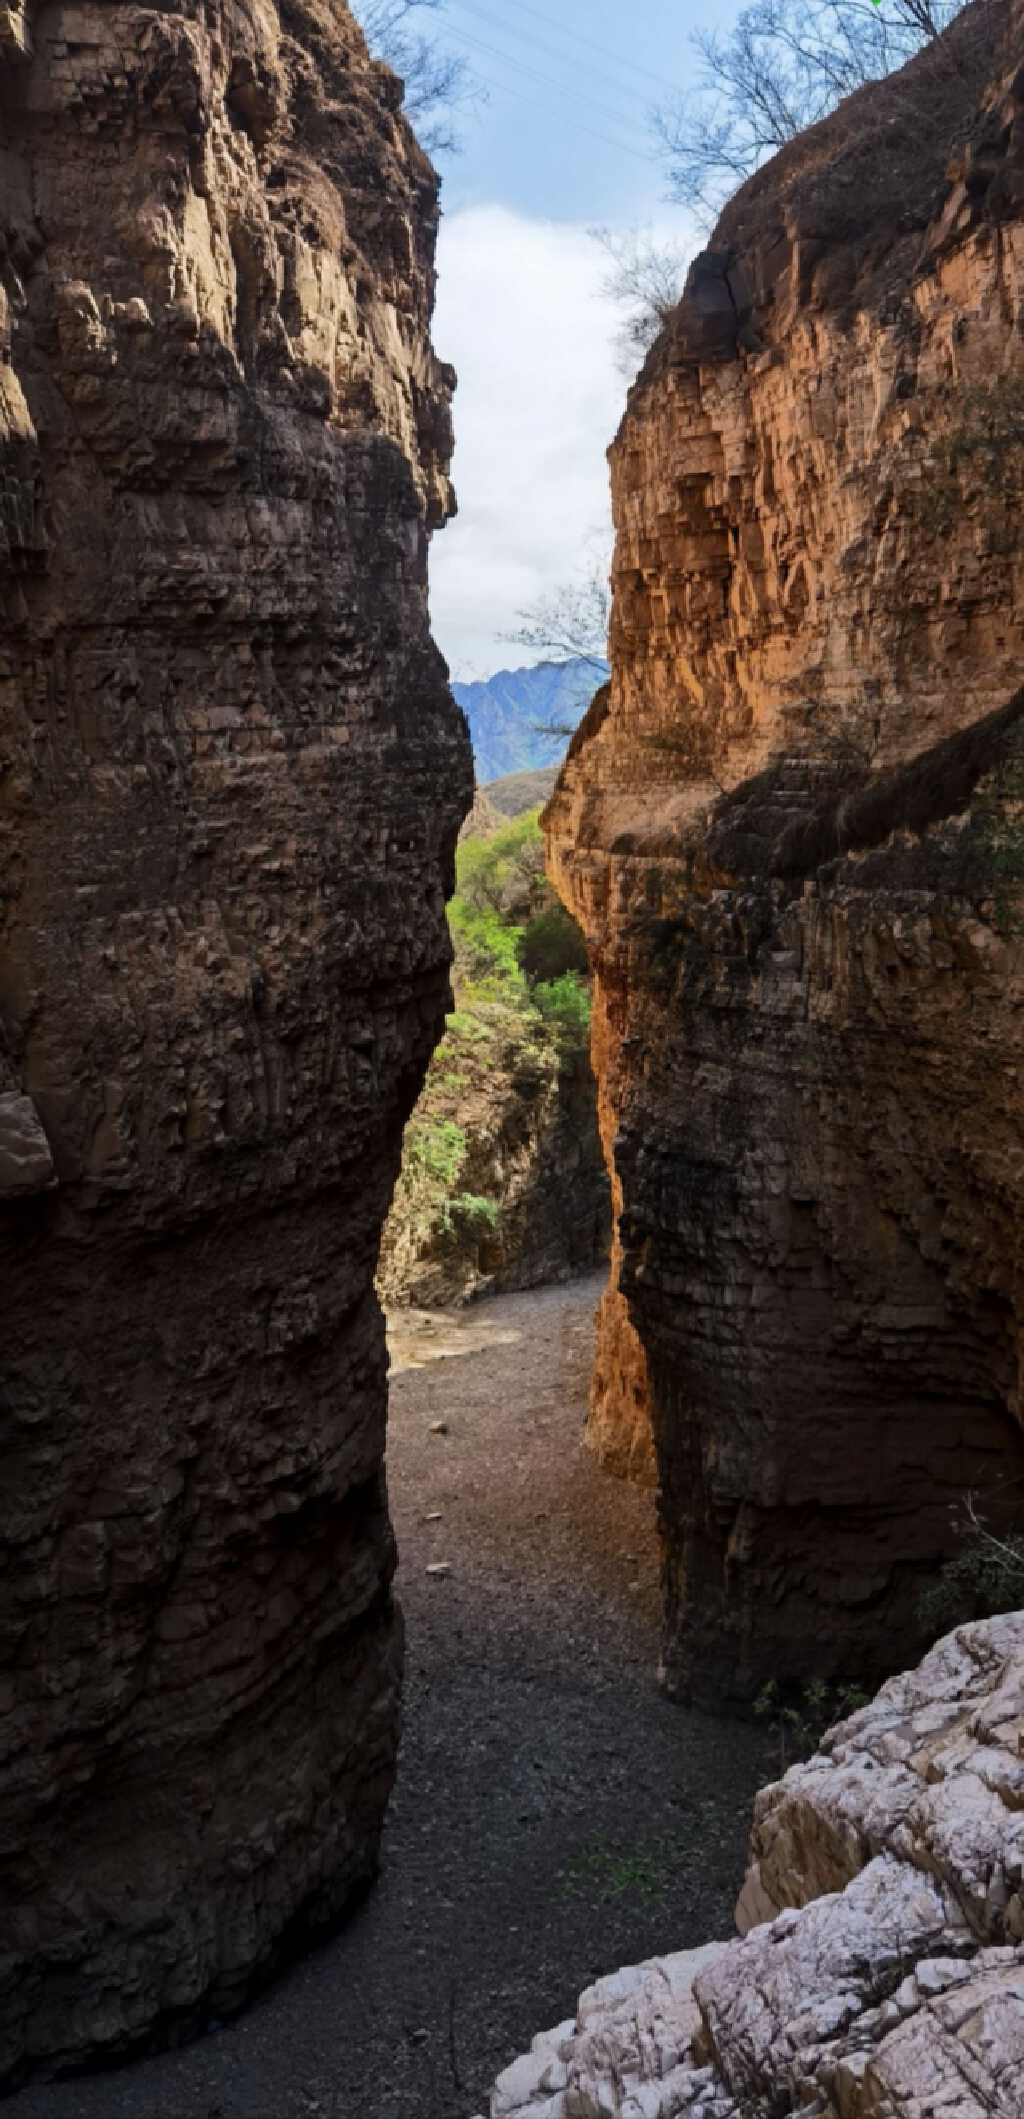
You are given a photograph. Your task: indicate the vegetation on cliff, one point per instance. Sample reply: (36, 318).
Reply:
(502, 1178)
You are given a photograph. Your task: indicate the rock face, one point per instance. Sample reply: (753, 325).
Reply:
(503, 1185)
(532, 1159)
(792, 830)
(231, 780)
(26, 1165)
(892, 1986)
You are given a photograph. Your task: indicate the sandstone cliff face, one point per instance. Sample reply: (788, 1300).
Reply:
(891, 1983)
(793, 833)
(231, 779)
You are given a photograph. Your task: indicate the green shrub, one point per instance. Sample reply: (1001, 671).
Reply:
(493, 873)
(998, 826)
(564, 1007)
(463, 1027)
(601, 1871)
(552, 945)
(798, 1726)
(487, 949)
(469, 1214)
(438, 1146)
(501, 1023)
(655, 1861)
(978, 462)
(984, 1578)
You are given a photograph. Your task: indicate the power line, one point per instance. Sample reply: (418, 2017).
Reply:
(606, 139)
(617, 58)
(566, 58)
(577, 37)
(561, 88)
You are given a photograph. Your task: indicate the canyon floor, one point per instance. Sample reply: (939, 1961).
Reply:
(555, 1816)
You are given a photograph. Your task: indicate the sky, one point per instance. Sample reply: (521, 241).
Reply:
(558, 143)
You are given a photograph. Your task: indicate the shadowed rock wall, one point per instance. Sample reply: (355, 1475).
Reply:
(794, 833)
(231, 779)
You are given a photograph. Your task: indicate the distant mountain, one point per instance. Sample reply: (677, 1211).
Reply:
(519, 791)
(509, 713)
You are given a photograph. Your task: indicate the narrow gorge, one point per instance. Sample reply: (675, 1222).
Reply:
(241, 1104)
(793, 831)
(231, 780)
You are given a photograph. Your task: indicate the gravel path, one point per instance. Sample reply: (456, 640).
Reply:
(555, 1817)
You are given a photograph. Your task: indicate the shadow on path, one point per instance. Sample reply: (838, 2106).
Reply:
(555, 1817)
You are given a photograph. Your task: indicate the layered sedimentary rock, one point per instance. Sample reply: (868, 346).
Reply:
(528, 1206)
(503, 1183)
(890, 1985)
(231, 779)
(792, 830)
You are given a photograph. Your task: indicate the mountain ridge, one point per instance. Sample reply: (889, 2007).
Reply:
(514, 716)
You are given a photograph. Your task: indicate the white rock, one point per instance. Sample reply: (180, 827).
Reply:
(890, 1982)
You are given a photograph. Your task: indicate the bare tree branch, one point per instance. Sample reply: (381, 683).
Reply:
(1008, 1551)
(646, 280)
(784, 65)
(571, 625)
(437, 81)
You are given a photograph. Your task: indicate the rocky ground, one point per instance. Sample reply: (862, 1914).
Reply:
(555, 1817)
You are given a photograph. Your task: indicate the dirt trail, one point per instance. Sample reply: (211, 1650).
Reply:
(555, 1817)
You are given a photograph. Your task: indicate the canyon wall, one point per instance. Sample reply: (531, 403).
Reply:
(793, 830)
(504, 1184)
(529, 1206)
(231, 780)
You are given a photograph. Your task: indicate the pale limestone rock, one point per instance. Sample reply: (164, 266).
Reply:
(15, 35)
(932, 1771)
(633, 2032)
(882, 1999)
(805, 1980)
(959, 2057)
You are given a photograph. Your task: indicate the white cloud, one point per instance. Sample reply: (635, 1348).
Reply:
(521, 315)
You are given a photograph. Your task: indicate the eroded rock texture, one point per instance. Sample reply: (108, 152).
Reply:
(231, 778)
(793, 832)
(533, 1155)
(891, 1985)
